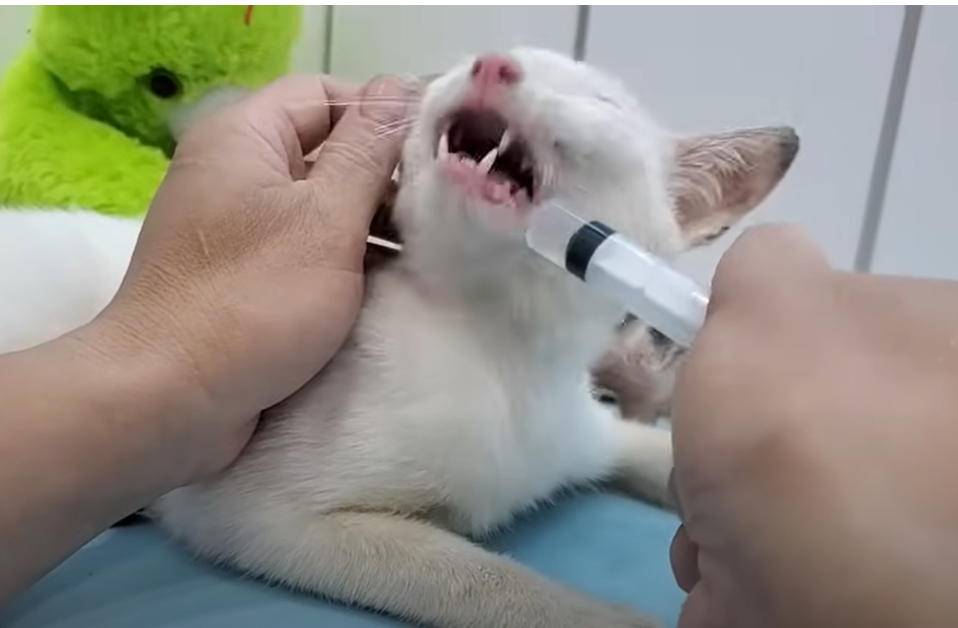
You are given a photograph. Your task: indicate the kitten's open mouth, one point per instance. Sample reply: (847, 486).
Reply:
(484, 155)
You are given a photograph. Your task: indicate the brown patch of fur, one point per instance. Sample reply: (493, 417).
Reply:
(718, 179)
(638, 371)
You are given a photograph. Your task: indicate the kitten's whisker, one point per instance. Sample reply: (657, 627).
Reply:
(391, 132)
(390, 129)
(582, 188)
(399, 97)
(395, 125)
(549, 178)
(400, 122)
(379, 101)
(396, 128)
(369, 98)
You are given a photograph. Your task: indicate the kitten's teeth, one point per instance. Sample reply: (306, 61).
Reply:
(486, 164)
(443, 150)
(504, 142)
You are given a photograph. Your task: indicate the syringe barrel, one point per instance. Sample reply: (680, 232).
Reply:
(646, 286)
(640, 282)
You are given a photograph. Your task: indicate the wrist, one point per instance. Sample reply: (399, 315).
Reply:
(93, 430)
(149, 395)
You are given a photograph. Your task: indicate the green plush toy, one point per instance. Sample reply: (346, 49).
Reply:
(86, 110)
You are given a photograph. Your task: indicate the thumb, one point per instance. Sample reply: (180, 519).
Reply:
(361, 153)
(698, 612)
(766, 257)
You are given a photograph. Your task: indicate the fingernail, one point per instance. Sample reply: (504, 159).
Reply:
(385, 99)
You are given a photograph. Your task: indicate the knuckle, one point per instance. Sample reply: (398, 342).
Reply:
(752, 250)
(768, 238)
(357, 156)
(754, 239)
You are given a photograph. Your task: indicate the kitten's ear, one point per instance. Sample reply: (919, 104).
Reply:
(718, 179)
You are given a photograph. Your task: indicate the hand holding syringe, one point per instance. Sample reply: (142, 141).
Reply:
(643, 284)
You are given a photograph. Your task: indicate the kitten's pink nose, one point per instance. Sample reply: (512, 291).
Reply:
(496, 70)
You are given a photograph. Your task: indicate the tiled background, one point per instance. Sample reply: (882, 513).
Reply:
(872, 90)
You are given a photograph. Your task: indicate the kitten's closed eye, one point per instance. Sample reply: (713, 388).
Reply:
(608, 101)
(715, 236)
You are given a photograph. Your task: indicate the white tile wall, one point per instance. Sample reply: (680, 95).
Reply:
(370, 40)
(824, 70)
(309, 54)
(14, 23)
(919, 226)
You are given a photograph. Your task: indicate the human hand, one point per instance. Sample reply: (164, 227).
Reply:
(814, 435)
(248, 275)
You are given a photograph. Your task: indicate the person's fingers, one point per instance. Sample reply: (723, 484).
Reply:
(310, 105)
(684, 556)
(765, 255)
(362, 151)
(698, 611)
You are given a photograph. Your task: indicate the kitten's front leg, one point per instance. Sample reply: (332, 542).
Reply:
(416, 571)
(637, 373)
(643, 462)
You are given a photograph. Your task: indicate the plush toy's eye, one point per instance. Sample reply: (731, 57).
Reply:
(163, 83)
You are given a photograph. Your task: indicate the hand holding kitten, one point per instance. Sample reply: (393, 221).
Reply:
(814, 437)
(248, 274)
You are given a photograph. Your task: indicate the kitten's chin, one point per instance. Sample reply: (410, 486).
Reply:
(486, 204)
(483, 188)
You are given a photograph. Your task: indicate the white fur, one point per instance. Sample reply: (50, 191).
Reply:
(464, 396)
(462, 399)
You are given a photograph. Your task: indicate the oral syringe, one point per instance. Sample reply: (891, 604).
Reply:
(643, 284)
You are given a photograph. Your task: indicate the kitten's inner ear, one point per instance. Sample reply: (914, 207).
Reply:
(718, 179)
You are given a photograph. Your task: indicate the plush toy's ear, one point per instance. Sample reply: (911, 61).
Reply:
(718, 179)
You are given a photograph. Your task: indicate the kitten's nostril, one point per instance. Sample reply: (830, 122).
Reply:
(496, 70)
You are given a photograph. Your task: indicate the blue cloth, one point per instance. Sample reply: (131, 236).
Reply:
(608, 546)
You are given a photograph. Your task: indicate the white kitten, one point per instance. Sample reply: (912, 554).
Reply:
(463, 396)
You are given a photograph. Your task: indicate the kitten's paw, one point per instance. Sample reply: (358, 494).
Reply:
(637, 373)
(644, 463)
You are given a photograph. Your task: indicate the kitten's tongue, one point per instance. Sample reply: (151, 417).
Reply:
(490, 188)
